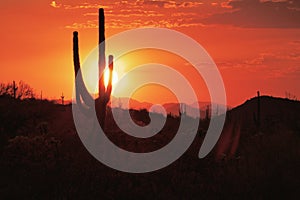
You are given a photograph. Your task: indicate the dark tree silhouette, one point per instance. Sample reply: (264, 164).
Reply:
(22, 91)
(4, 88)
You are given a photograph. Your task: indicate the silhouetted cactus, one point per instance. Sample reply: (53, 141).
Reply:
(76, 53)
(82, 93)
(62, 99)
(101, 51)
(257, 116)
(111, 68)
(207, 113)
(104, 93)
(15, 88)
(81, 90)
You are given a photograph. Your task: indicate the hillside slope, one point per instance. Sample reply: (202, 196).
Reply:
(278, 116)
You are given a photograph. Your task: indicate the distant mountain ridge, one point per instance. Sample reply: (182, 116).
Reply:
(171, 108)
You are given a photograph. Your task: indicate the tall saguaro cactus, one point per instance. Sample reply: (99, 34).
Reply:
(104, 93)
(101, 49)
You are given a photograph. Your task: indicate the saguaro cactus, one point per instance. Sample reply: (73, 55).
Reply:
(62, 99)
(101, 49)
(76, 53)
(81, 90)
(207, 113)
(104, 93)
(257, 117)
(15, 88)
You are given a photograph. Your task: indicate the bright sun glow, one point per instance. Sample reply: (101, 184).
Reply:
(54, 4)
(106, 77)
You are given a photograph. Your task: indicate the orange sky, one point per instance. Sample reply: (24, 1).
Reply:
(256, 44)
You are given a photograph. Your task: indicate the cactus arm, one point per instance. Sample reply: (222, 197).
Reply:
(80, 89)
(109, 86)
(76, 53)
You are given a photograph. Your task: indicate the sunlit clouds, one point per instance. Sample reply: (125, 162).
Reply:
(55, 5)
(172, 14)
(255, 43)
(135, 14)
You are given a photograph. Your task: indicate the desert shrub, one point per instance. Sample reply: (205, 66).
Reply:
(37, 152)
(21, 117)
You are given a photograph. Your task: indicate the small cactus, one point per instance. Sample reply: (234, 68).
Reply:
(15, 88)
(257, 116)
(207, 113)
(62, 99)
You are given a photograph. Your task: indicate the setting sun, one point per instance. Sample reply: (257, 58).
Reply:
(106, 77)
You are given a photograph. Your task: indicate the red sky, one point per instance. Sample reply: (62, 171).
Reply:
(255, 44)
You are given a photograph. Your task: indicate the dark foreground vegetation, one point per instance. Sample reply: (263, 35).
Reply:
(41, 156)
